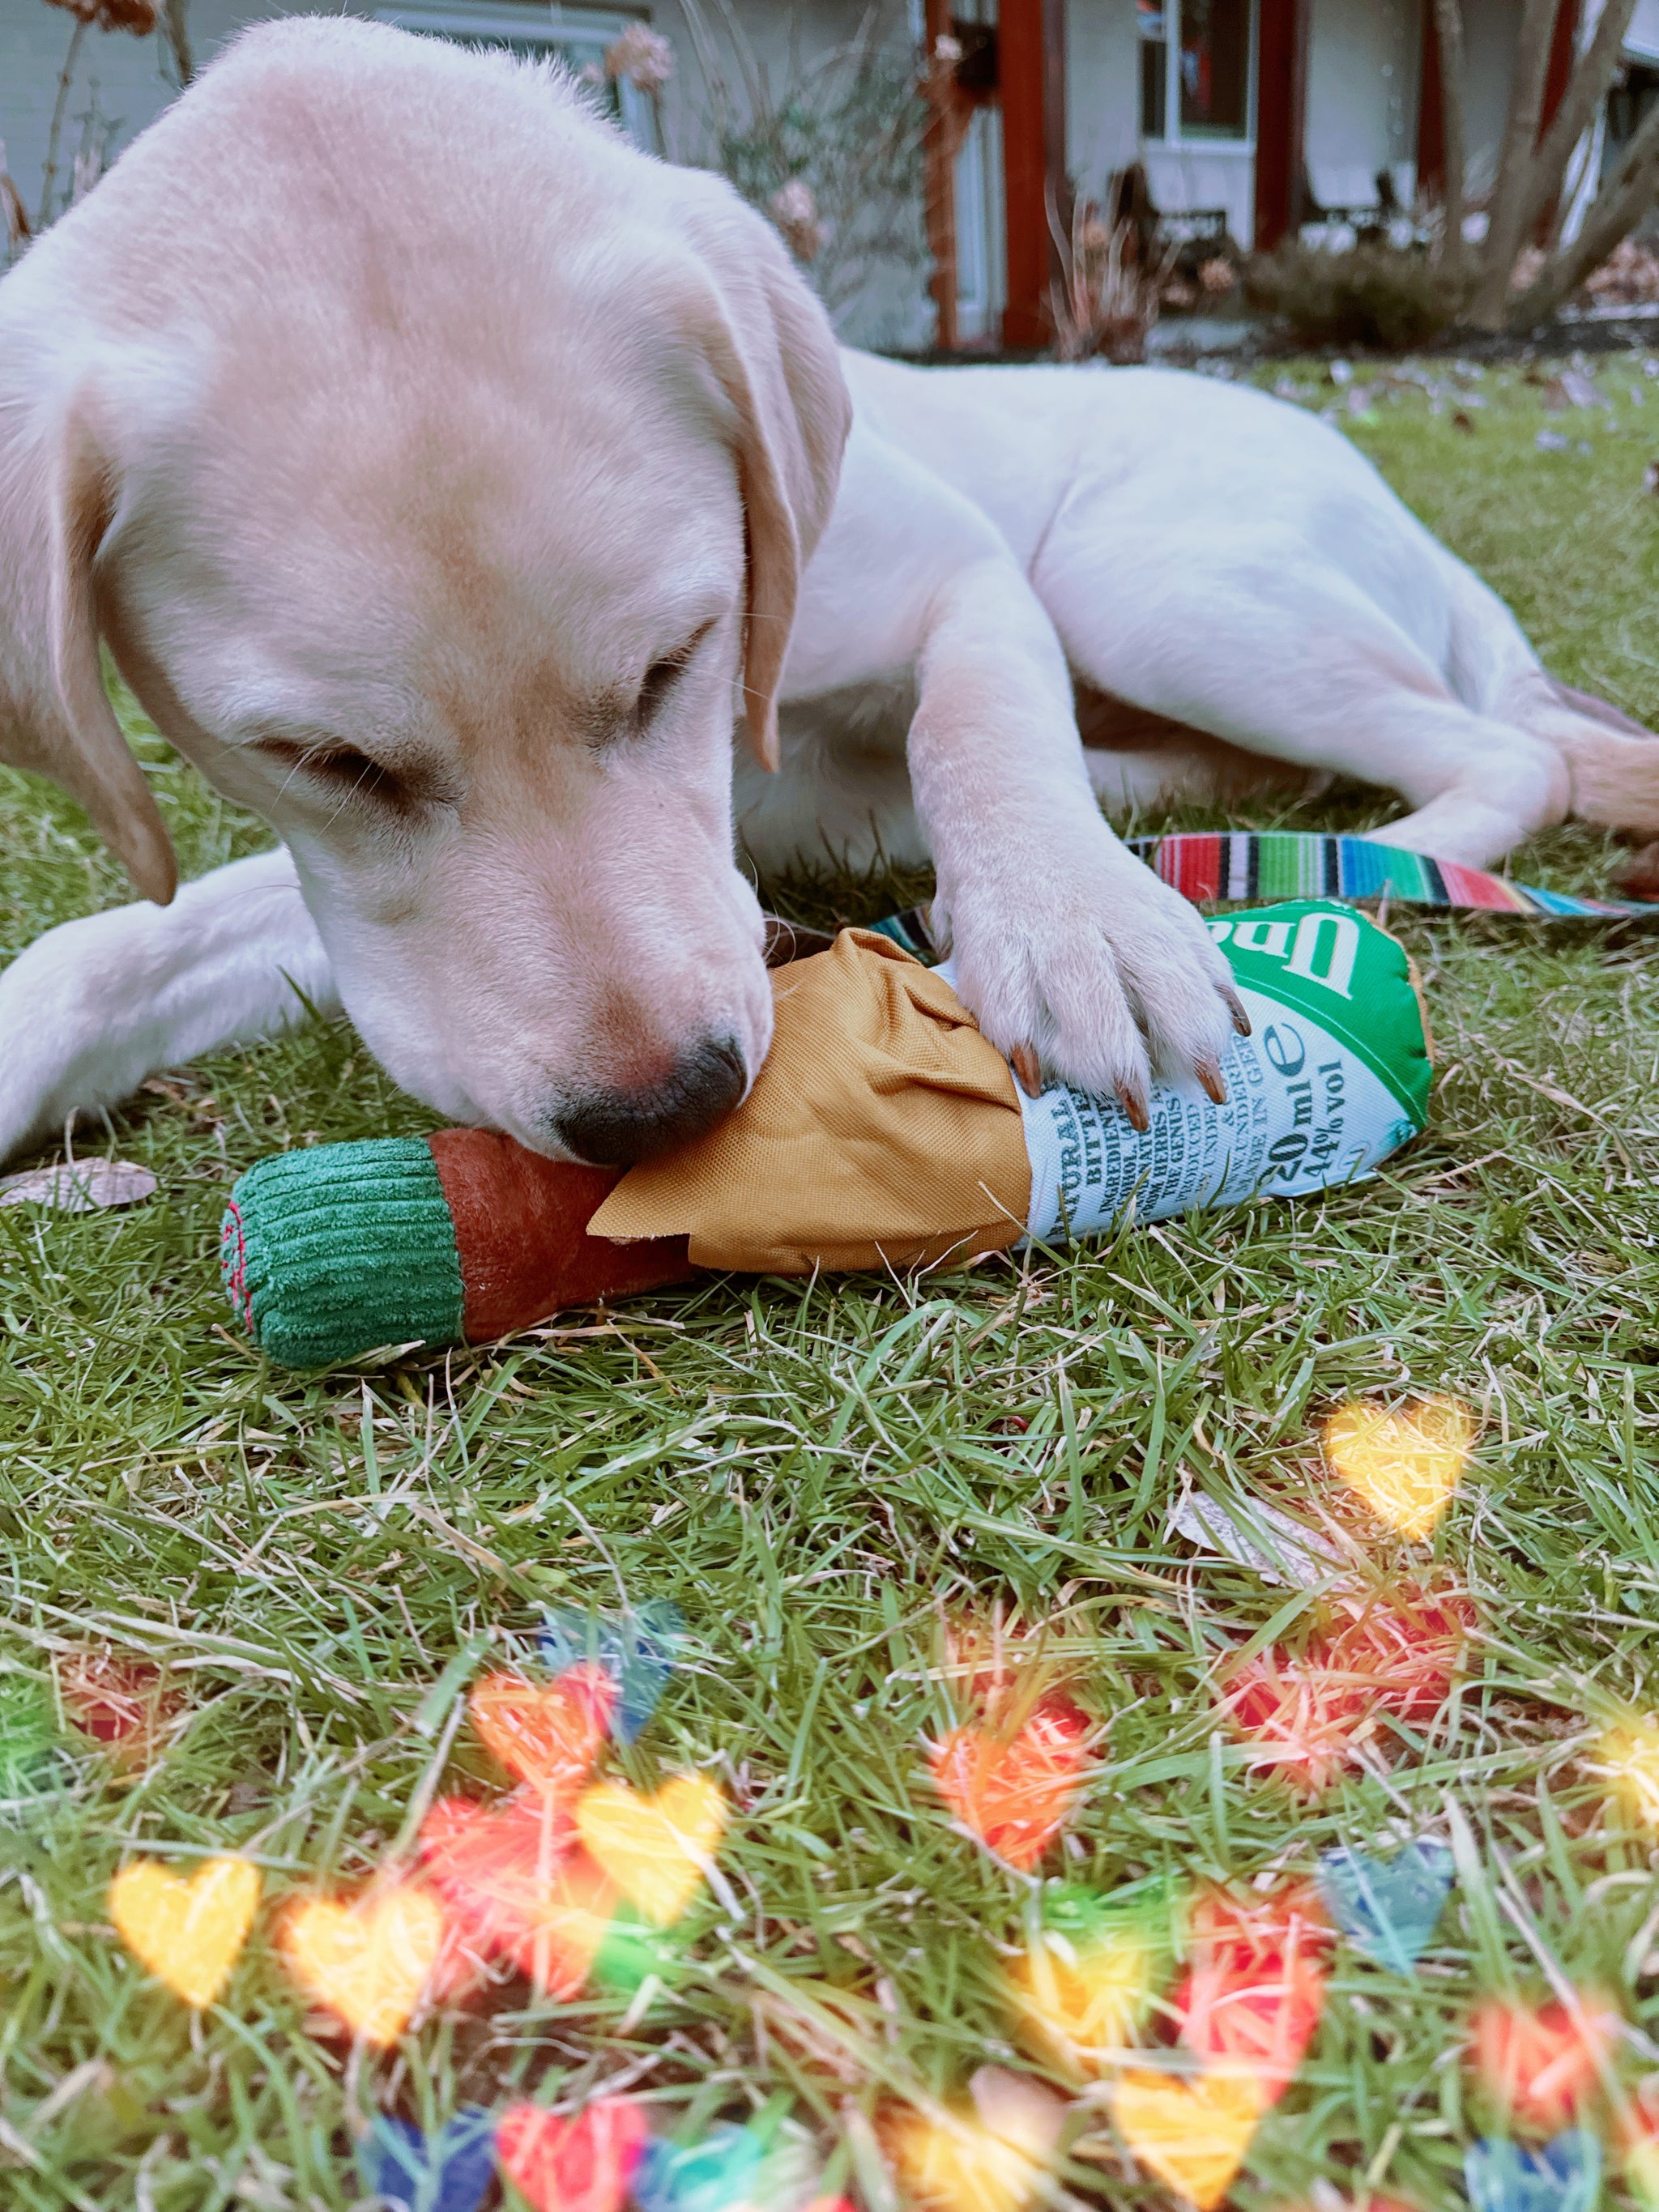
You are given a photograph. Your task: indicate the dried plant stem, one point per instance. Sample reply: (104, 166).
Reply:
(49, 174)
(1533, 166)
(1505, 232)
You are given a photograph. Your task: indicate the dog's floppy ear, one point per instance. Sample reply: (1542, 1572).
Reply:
(774, 356)
(54, 514)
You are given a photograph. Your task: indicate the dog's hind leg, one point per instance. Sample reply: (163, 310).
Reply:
(94, 1006)
(1138, 761)
(1242, 634)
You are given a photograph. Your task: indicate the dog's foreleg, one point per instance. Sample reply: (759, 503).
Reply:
(1069, 951)
(94, 1006)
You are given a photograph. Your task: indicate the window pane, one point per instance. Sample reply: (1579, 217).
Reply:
(1153, 24)
(1215, 67)
(1154, 78)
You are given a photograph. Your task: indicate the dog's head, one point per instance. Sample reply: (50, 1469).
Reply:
(452, 540)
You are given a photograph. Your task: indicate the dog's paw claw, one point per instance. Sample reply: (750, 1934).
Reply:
(1028, 1068)
(1095, 976)
(1133, 1099)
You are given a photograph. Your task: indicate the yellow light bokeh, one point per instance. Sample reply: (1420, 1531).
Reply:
(654, 1849)
(1192, 2134)
(1405, 1463)
(189, 1932)
(368, 1961)
(1629, 1756)
(1085, 2005)
(993, 2155)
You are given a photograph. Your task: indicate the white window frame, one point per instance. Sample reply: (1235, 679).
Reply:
(577, 35)
(1204, 142)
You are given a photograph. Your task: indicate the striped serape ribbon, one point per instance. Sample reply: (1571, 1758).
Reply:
(1277, 864)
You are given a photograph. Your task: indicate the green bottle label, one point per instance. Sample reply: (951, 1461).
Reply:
(1334, 965)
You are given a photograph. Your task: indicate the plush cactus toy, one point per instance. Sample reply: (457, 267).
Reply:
(883, 1130)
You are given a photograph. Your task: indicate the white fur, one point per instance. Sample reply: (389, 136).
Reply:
(432, 414)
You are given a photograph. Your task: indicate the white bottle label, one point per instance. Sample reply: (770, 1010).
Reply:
(1302, 1112)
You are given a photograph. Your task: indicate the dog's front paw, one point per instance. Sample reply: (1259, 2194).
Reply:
(1088, 970)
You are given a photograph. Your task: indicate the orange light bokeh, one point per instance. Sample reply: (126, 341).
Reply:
(547, 1733)
(1541, 2064)
(1014, 1788)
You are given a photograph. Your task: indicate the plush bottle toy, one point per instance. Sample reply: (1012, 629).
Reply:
(883, 1131)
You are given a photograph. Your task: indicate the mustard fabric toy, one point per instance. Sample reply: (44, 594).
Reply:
(883, 1131)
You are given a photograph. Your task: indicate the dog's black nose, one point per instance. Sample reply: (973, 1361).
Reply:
(615, 1128)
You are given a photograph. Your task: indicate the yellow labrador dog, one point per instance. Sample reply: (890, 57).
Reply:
(449, 480)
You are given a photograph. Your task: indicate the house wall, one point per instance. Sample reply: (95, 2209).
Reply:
(1364, 66)
(132, 81)
(125, 79)
(1489, 45)
(1103, 96)
(1642, 39)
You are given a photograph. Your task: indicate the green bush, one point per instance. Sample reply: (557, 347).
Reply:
(1383, 297)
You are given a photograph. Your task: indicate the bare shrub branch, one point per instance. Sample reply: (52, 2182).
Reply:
(1449, 30)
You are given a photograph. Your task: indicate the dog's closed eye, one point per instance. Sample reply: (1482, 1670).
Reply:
(345, 771)
(659, 680)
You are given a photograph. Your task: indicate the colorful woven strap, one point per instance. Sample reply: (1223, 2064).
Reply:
(1276, 864)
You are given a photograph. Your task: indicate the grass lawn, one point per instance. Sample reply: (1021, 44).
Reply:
(822, 1479)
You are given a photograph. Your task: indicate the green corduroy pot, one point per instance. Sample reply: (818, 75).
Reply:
(367, 1252)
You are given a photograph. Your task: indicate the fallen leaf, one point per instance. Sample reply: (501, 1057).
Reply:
(79, 1186)
(1259, 1536)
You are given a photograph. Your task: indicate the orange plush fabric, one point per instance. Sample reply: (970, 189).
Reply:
(883, 1129)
